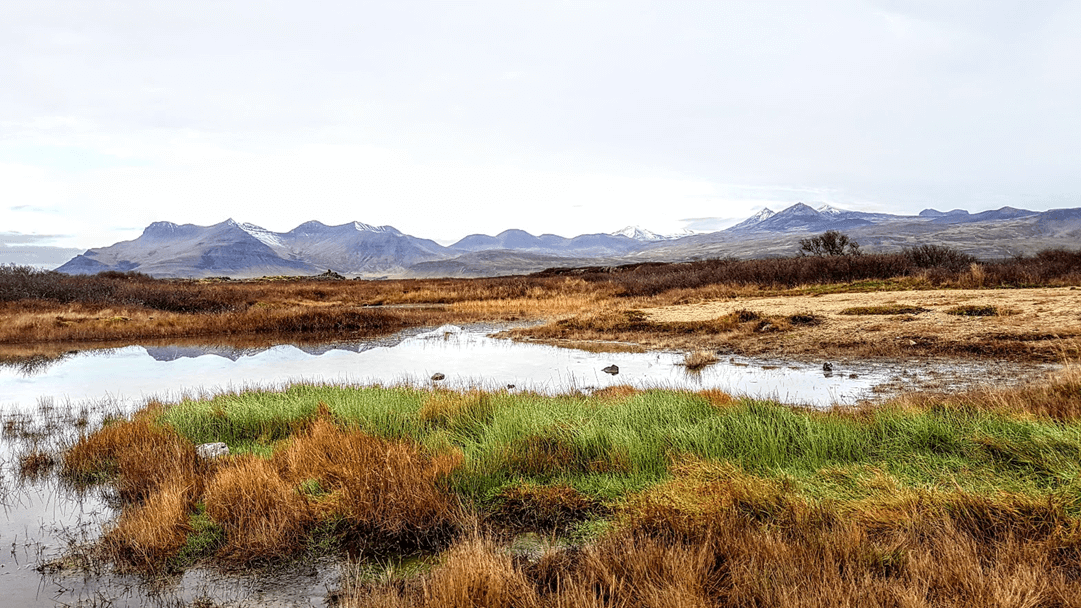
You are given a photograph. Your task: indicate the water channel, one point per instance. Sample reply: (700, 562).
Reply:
(44, 402)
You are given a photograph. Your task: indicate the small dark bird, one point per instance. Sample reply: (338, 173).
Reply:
(827, 367)
(611, 369)
(437, 376)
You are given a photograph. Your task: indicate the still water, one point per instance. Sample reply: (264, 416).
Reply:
(466, 357)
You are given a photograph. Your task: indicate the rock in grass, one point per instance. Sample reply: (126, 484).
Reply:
(611, 369)
(437, 377)
(212, 450)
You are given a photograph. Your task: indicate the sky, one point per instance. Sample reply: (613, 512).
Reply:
(445, 119)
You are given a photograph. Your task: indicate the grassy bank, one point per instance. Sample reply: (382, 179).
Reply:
(40, 306)
(661, 497)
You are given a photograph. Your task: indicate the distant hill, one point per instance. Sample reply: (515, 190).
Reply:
(242, 250)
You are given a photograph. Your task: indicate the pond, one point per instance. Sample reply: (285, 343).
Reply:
(467, 357)
(45, 403)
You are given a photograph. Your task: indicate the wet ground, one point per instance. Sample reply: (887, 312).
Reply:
(46, 404)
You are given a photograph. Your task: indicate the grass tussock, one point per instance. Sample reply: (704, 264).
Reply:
(261, 513)
(889, 309)
(450, 408)
(149, 533)
(699, 359)
(388, 491)
(35, 464)
(629, 325)
(140, 454)
(717, 536)
(976, 310)
(547, 509)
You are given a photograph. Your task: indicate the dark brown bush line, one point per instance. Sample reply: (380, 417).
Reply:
(117, 288)
(940, 265)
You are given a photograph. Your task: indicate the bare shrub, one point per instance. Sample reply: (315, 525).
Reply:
(829, 243)
(939, 256)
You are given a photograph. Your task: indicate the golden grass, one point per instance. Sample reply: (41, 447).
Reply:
(147, 534)
(717, 397)
(263, 515)
(443, 408)
(715, 536)
(389, 490)
(141, 454)
(1058, 397)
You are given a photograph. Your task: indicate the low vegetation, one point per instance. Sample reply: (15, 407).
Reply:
(699, 359)
(975, 310)
(43, 306)
(888, 309)
(653, 497)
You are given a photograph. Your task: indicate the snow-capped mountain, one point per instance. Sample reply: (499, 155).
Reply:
(640, 234)
(230, 248)
(237, 249)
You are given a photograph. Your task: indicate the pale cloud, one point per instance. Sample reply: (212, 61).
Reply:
(445, 118)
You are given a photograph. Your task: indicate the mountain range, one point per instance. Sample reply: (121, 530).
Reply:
(165, 249)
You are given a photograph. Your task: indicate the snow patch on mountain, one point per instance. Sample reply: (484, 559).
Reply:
(638, 234)
(648, 236)
(268, 238)
(362, 227)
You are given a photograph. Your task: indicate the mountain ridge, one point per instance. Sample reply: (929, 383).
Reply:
(231, 248)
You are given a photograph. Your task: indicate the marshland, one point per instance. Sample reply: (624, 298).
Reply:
(608, 490)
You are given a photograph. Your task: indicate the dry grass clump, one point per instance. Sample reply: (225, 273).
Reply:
(381, 492)
(976, 310)
(141, 454)
(554, 508)
(889, 309)
(147, 534)
(699, 359)
(553, 452)
(376, 491)
(159, 477)
(717, 536)
(35, 463)
(263, 515)
(740, 563)
(444, 408)
(717, 397)
(616, 392)
(387, 491)
(1059, 397)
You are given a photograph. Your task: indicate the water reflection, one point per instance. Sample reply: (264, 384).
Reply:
(466, 357)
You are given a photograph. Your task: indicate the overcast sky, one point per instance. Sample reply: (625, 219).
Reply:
(449, 118)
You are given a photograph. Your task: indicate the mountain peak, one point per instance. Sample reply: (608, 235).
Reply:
(829, 210)
(799, 209)
(638, 233)
(362, 227)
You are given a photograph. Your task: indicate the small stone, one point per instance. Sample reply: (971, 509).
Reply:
(827, 367)
(510, 386)
(212, 450)
(611, 369)
(436, 377)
